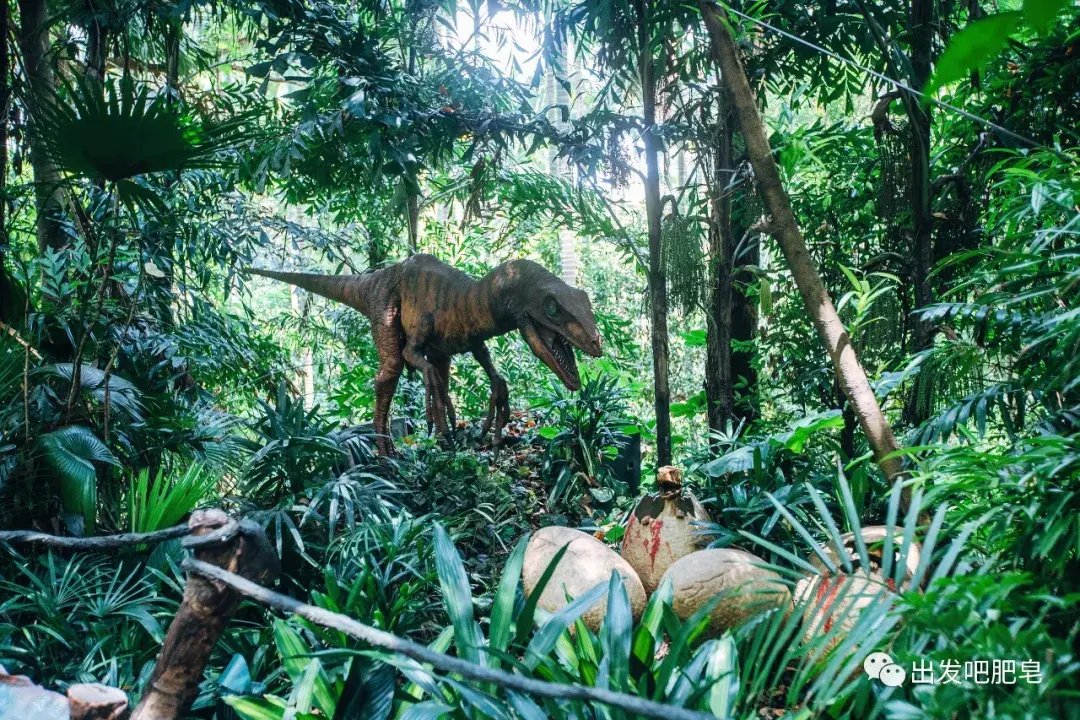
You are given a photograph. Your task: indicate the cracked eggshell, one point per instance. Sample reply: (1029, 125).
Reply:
(836, 602)
(587, 563)
(747, 588)
(659, 532)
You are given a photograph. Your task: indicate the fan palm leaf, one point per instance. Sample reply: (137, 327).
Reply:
(72, 452)
(119, 132)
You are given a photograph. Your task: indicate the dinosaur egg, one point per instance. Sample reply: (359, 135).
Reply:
(874, 537)
(746, 587)
(660, 529)
(587, 563)
(835, 604)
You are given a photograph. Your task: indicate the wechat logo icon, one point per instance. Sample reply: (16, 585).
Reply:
(880, 666)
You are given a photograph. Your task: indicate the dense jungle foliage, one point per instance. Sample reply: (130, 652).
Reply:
(152, 151)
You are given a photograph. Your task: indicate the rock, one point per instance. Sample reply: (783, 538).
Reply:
(587, 563)
(21, 699)
(747, 588)
(829, 601)
(661, 530)
(874, 537)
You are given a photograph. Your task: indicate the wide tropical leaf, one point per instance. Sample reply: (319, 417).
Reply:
(72, 452)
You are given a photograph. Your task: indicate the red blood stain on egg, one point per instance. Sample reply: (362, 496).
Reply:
(652, 544)
(831, 589)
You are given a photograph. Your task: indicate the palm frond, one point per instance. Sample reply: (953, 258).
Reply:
(119, 132)
(163, 501)
(122, 394)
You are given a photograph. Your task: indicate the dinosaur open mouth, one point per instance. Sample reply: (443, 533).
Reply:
(556, 352)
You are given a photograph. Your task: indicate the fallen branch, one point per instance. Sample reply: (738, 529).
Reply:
(105, 542)
(444, 663)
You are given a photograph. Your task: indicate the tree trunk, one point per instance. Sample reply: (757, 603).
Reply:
(34, 42)
(12, 301)
(203, 613)
(785, 229)
(921, 30)
(719, 381)
(97, 47)
(653, 210)
(174, 31)
(731, 317)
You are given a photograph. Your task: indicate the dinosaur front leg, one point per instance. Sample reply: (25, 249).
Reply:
(442, 366)
(499, 405)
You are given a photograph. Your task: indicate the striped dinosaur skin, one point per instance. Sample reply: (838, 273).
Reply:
(423, 312)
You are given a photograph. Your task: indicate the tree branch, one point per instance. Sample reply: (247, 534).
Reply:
(443, 663)
(107, 542)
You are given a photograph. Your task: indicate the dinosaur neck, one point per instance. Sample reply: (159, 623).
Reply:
(497, 299)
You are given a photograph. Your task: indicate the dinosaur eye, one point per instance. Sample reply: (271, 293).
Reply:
(552, 308)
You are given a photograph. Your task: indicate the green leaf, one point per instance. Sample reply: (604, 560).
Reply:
(457, 595)
(968, 49)
(649, 632)
(1042, 13)
(695, 338)
(305, 689)
(616, 633)
(804, 428)
(722, 671)
(236, 677)
(556, 625)
(503, 605)
(263, 708)
(525, 619)
(429, 710)
(368, 693)
(294, 654)
(71, 452)
(548, 433)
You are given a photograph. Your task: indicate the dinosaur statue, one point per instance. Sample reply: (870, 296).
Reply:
(423, 312)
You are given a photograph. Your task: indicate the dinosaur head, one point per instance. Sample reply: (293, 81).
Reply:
(555, 318)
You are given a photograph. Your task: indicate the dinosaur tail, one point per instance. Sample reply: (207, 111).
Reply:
(351, 290)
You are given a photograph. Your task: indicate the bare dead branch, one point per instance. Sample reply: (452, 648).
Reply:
(439, 661)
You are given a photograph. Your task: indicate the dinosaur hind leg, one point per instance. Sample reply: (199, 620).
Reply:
(391, 362)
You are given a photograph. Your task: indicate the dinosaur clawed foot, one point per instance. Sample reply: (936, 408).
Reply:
(498, 413)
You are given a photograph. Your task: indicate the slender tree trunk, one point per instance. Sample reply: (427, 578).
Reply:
(412, 189)
(97, 47)
(653, 210)
(785, 229)
(921, 30)
(34, 42)
(10, 304)
(173, 33)
(719, 381)
(731, 317)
